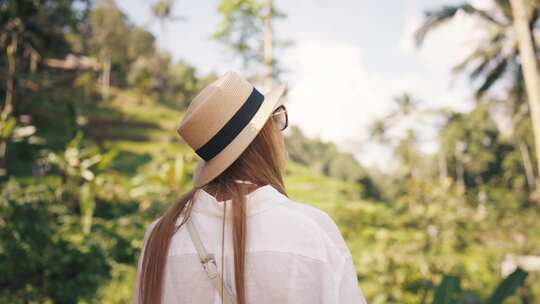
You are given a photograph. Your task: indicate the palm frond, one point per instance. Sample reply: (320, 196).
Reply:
(504, 7)
(433, 19)
(480, 54)
(483, 55)
(378, 130)
(471, 10)
(479, 70)
(438, 17)
(492, 77)
(488, 57)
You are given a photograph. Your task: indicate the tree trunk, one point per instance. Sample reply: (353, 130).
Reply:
(106, 77)
(268, 44)
(530, 69)
(8, 102)
(528, 165)
(10, 86)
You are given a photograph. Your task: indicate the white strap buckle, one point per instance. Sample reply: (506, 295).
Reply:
(209, 264)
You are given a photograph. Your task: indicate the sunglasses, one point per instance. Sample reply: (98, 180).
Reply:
(280, 117)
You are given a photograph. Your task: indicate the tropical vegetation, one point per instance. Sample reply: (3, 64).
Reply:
(89, 157)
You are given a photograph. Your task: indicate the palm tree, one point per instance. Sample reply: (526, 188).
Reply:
(495, 58)
(162, 11)
(407, 105)
(530, 65)
(407, 108)
(378, 130)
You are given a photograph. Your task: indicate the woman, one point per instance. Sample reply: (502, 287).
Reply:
(236, 237)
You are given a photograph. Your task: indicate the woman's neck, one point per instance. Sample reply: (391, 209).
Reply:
(212, 189)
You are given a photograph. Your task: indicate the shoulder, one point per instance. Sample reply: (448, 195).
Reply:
(320, 222)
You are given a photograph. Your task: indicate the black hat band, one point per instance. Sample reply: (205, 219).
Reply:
(233, 127)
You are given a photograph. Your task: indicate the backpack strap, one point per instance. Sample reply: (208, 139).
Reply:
(209, 264)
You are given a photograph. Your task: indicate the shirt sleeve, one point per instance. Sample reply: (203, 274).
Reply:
(349, 291)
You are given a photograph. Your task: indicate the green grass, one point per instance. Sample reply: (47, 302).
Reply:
(141, 129)
(305, 185)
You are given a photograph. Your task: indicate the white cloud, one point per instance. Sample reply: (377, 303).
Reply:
(331, 91)
(448, 44)
(445, 46)
(334, 96)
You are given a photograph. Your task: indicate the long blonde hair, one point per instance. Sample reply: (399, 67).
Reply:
(262, 163)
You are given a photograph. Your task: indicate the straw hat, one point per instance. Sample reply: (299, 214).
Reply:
(222, 120)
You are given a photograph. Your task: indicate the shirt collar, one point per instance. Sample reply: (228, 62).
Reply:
(258, 200)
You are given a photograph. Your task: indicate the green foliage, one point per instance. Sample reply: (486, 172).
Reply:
(403, 247)
(508, 286)
(242, 28)
(473, 140)
(109, 32)
(80, 168)
(327, 159)
(449, 290)
(37, 26)
(446, 292)
(141, 43)
(43, 259)
(8, 129)
(87, 175)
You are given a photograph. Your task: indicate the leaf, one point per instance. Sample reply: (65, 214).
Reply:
(495, 74)
(87, 174)
(438, 17)
(432, 20)
(8, 128)
(76, 140)
(89, 162)
(24, 132)
(107, 158)
(508, 286)
(447, 291)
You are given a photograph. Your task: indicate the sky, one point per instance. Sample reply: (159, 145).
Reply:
(348, 61)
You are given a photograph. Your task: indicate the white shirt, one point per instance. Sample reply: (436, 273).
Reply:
(295, 254)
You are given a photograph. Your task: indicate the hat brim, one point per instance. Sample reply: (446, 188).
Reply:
(206, 171)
